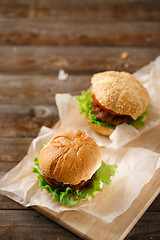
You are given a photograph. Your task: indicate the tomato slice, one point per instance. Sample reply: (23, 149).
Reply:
(105, 109)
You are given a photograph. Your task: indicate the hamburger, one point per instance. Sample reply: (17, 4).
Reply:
(69, 167)
(116, 98)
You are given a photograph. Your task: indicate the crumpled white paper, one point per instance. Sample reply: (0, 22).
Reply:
(135, 152)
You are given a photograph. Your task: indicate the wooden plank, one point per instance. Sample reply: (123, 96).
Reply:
(155, 207)
(112, 9)
(25, 121)
(28, 224)
(40, 97)
(73, 59)
(151, 229)
(8, 204)
(116, 230)
(100, 33)
(17, 222)
(6, 167)
(13, 149)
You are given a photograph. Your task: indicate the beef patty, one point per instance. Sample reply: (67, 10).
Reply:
(55, 184)
(107, 117)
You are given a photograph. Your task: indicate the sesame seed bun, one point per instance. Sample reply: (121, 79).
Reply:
(100, 129)
(120, 92)
(70, 157)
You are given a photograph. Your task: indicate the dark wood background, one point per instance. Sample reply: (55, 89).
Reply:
(37, 38)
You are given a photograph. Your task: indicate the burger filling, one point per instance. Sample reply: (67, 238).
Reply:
(55, 184)
(108, 117)
(99, 115)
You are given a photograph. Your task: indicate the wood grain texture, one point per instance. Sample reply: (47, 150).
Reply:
(26, 121)
(151, 222)
(110, 9)
(8, 204)
(73, 59)
(37, 92)
(23, 220)
(13, 149)
(6, 167)
(155, 206)
(19, 221)
(100, 33)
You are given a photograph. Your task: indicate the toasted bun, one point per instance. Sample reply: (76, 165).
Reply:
(100, 129)
(70, 157)
(120, 92)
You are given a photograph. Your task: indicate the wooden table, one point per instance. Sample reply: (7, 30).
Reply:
(37, 38)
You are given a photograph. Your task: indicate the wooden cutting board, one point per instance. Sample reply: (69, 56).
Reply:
(89, 227)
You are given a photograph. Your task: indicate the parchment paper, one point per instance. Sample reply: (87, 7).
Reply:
(136, 163)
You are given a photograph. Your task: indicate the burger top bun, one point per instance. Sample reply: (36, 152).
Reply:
(70, 157)
(120, 92)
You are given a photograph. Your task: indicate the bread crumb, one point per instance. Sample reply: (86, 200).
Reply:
(124, 55)
(61, 63)
(126, 65)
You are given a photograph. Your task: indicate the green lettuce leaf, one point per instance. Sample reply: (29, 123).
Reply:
(139, 121)
(68, 197)
(43, 184)
(45, 144)
(85, 104)
(105, 172)
(89, 191)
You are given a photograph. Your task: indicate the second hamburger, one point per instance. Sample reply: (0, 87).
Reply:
(116, 98)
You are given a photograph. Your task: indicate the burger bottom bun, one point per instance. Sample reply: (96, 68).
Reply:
(105, 130)
(100, 129)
